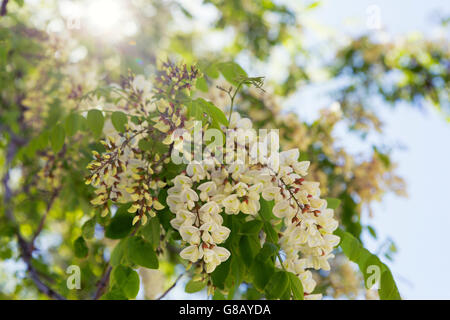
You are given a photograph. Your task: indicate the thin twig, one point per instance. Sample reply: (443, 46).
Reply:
(44, 217)
(3, 10)
(34, 275)
(171, 287)
(101, 286)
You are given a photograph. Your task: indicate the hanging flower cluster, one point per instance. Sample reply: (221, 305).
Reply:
(308, 238)
(126, 172)
(203, 190)
(208, 188)
(122, 175)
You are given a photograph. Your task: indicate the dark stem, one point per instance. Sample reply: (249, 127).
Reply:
(3, 9)
(42, 222)
(232, 97)
(171, 287)
(102, 284)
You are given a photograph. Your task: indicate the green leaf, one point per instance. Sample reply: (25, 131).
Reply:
(251, 227)
(121, 224)
(268, 250)
(237, 271)
(119, 121)
(271, 233)
(263, 267)
(388, 289)
(20, 2)
(209, 108)
(127, 280)
(333, 203)
(195, 286)
(145, 144)
(248, 248)
(372, 232)
(57, 137)
(218, 295)
(212, 71)
(74, 122)
(354, 250)
(221, 273)
(142, 253)
(80, 248)
(232, 72)
(88, 229)
(118, 253)
(296, 286)
(115, 293)
(277, 285)
(202, 85)
(151, 232)
(196, 111)
(95, 121)
(266, 209)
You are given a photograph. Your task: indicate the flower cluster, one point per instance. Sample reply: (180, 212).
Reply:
(198, 219)
(208, 188)
(122, 175)
(308, 238)
(254, 171)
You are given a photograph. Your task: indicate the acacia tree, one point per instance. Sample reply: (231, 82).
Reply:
(88, 178)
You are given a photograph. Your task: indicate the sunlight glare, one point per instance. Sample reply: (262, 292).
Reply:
(104, 15)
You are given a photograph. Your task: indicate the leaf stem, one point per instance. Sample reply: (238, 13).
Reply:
(232, 100)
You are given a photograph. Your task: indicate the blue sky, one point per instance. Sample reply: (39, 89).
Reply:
(418, 224)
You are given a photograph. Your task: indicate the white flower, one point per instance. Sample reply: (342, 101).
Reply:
(190, 197)
(220, 234)
(307, 228)
(139, 83)
(182, 182)
(195, 171)
(289, 157)
(270, 192)
(311, 187)
(301, 168)
(183, 217)
(282, 209)
(192, 253)
(211, 259)
(190, 234)
(207, 189)
(222, 253)
(307, 281)
(231, 204)
(210, 208)
(175, 203)
(249, 207)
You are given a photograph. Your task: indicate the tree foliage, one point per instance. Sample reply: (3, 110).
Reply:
(56, 110)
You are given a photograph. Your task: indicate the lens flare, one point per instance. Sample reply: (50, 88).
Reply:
(104, 16)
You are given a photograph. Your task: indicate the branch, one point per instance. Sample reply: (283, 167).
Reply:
(25, 247)
(26, 250)
(171, 287)
(42, 222)
(101, 285)
(3, 9)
